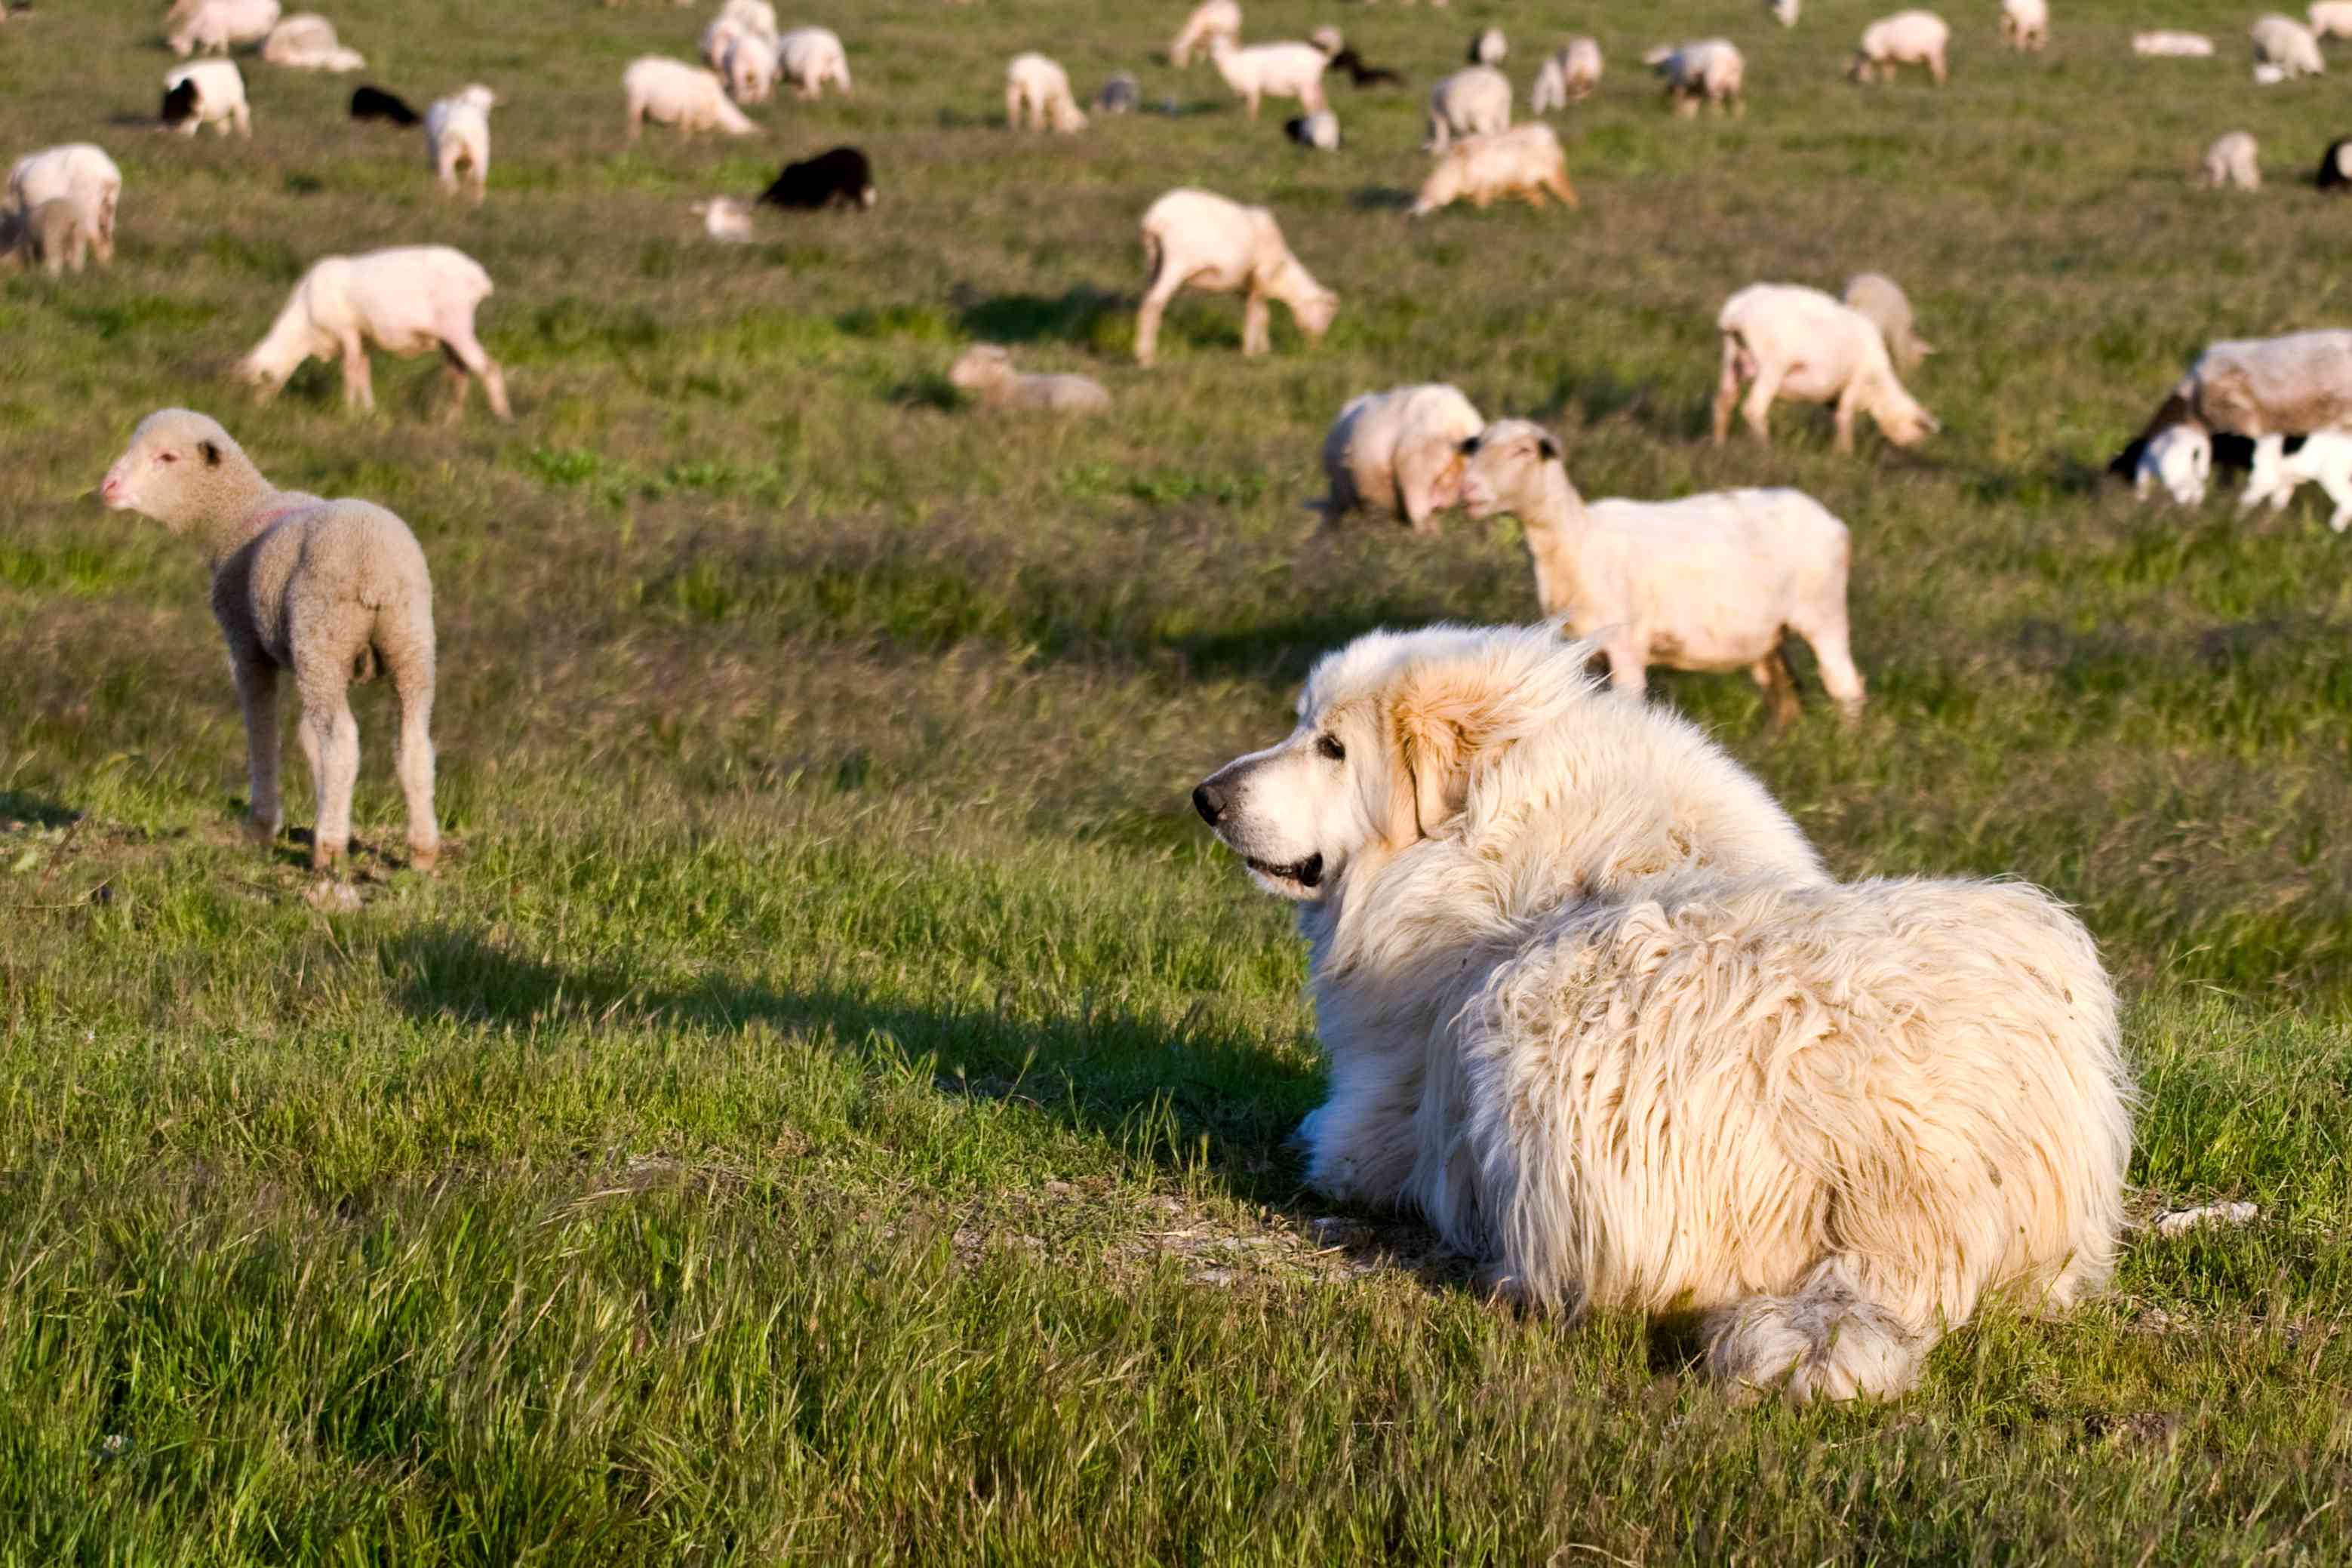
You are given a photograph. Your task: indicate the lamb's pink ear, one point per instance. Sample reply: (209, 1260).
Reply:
(1441, 721)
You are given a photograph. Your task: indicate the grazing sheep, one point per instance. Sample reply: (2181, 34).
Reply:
(1037, 92)
(2266, 388)
(2335, 175)
(2233, 161)
(2178, 459)
(407, 300)
(1784, 12)
(1320, 130)
(755, 16)
(1195, 239)
(1210, 20)
(839, 176)
(1399, 452)
(213, 25)
(1905, 39)
(1881, 299)
(458, 136)
(2025, 24)
(333, 590)
(671, 92)
(751, 68)
(76, 172)
(1488, 47)
(2324, 457)
(725, 218)
(1119, 95)
(308, 42)
(206, 92)
(717, 38)
(2286, 43)
(1797, 343)
(1361, 75)
(2330, 18)
(812, 56)
(1567, 76)
(1706, 70)
(1524, 161)
(374, 103)
(54, 235)
(987, 369)
(1271, 71)
(1713, 583)
(1475, 101)
(2170, 42)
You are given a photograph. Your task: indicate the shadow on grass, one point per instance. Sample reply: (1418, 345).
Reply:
(38, 810)
(1379, 199)
(1070, 317)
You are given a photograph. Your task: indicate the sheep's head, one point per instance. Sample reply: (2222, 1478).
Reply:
(1505, 469)
(1901, 419)
(1314, 311)
(981, 365)
(168, 471)
(478, 95)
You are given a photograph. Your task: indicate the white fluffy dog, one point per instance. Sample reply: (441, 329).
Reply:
(1594, 1008)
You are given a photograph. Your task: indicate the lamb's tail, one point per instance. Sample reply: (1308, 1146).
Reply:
(1826, 1342)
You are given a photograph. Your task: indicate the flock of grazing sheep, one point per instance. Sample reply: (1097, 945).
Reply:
(1707, 582)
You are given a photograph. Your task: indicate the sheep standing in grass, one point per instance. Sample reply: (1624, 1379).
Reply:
(1525, 162)
(1198, 240)
(77, 173)
(1712, 583)
(2025, 24)
(986, 369)
(2287, 45)
(1567, 76)
(1037, 92)
(308, 42)
(1398, 452)
(1881, 299)
(1905, 39)
(2330, 18)
(213, 25)
(811, 56)
(206, 92)
(1706, 71)
(2265, 390)
(457, 137)
(2233, 162)
(1271, 71)
(1797, 343)
(2171, 42)
(407, 300)
(836, 177)
(751, 68)
(1475, 101)
(2325, 458)
(1210, 20)
(332, 591)
(671, 92)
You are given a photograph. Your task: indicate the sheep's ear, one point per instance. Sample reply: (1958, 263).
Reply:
(211, 449)
(1440, 721)
(1549, 445)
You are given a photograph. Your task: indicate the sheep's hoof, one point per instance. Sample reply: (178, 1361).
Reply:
(260, 832)
(323, 856)
(424, 856)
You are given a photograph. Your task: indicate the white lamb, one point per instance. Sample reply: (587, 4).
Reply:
(213, 25)
(717, 39)
(812, 56)
(2233, 162)
(1797, 343)
(1525, 162)
(751, 68)
(1567, 76)
(1210, 20)
(308, 42)
(2330, 18)
(2287, 44)
(1905, 39)
(220, 102)
(671, 92)
(77, 172)
(987, 369)
(727, 218)
(1398, 452)
(2172, 43)
(458, 136)
(1037, 92)
(1475, 101)
(1271, 71)
(1714, 582)
(1195, 239)
(2025, 24)
(2178, 459)
(1784, 12)
(407, 300)
(1706, 70)
(1490, 47)
(1881, 299)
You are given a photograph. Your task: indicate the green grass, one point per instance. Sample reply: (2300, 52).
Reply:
(833, 1103)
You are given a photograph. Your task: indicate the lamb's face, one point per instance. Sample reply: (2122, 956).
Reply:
(979, 367)
(1500, 465)
(155, 475)
(1902, 421)
(1300, 811)
(2180, 459)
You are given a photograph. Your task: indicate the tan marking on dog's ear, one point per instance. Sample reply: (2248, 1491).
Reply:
(1441, 721)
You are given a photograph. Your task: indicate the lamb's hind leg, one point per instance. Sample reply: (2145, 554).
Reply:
(464, 352)
(330, 739)
(257, 693)
(1830, 1339)
(412, 689)
(1727, 388)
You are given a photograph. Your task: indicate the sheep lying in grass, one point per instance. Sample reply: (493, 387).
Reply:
(2286, 43)
(1475, 101)
(1399, 452)
(986, 370)
(213, 25)
(2025, 24)
(725, 218)
(52, 236)
(2330, 18)
(671, 92)
(1525, 162)
(457, 137)
(1881, 299)
(332, 591)
(1567, 76)
(1706, 71)
(1712, 582)
(1271, 71)
(1195, 239)
(2231, 163)
(407, 300)
(79, 173)
(206, 92)
(1797, 343)
(308, 42)
(2168, 42)
(1037, 93)
(812, 56)
(1905, 39)
(1210, 20)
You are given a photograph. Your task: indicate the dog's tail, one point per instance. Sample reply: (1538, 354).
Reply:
(1827, 1342)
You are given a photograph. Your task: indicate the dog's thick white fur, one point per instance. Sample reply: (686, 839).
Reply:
(1594, 1007)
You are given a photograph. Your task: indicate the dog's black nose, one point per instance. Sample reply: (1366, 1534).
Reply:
(1209, 803)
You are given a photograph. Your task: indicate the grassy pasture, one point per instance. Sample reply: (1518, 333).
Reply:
(831, 1105)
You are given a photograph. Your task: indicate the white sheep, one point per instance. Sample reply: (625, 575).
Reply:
(1704, 70)
(717, 38)
(671, 92)
(1797, 343)
(54, 235)
(458, 136)
(1271, 71)
(1784, 12)
(755, 16)
(77, 172)
(727, 218)
(987, 369)
(2287, 44)
(1525, 162)
(1210, 19)
(1567, 76)
(751, 68)
(1904, 38)
(1475, 101)
(329, 591)
(1489, 48)
(308, 42)
(2025, 24)
(2330, 18)
(213, 25)
(1398, 452)
(2233, 161)
(1881, 299)
(219, 97)
(1195, 239)
(2171, 42)
(2178, 459)
(407, 300)
(812, 56)
(1037, 90)
(1714, 582)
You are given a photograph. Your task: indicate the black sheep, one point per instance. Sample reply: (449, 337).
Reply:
(179, 104)
(2334, 167)
(841, 176)
(374, 103)
(1363, 75)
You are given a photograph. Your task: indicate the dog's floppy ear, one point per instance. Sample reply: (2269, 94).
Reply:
(1440, 721)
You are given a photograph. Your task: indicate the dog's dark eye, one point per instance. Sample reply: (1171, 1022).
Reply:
(1330, 746)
